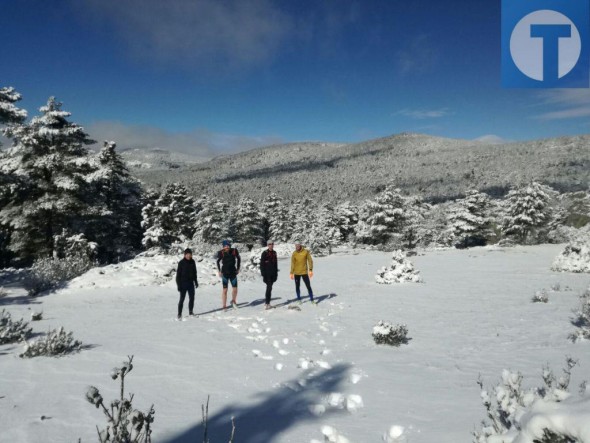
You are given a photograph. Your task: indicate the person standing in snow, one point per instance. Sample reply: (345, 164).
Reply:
(302, 268)
(186, 281)
(228, 265)
(269, 270)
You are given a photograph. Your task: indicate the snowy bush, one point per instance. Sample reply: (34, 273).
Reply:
(547, 414)
(73, 256)
(540, 296)
(12, 331)
(388, 334)
(125, 424)
(56, 343)
(582, 319)
(401, 270)
(575, 257)
(50, 273)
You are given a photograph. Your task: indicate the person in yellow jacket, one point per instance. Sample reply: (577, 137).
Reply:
(302, 268)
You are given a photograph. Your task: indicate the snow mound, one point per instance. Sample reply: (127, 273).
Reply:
(144, 270)
(401, 270)
(570, 417)
(575, 257)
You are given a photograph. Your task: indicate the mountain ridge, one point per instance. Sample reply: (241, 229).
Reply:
(436, 167)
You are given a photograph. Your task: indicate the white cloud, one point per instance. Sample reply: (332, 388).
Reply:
(199, 142)
(217, 34)
(195, 32)
(566, 104)
(422, 114)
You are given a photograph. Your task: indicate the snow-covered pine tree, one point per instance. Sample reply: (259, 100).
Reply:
(324, 233)
(435, 230)
(117, 230)
(149, 215)
(469, 219)
(275, 219)
(382, 218)
(301, 214)
(527, 210)
(248, 223)
(51, 160)
(9, 115)
(348, 217)
(212, 223)
(401, 270)
(413, 228)
(169, 218)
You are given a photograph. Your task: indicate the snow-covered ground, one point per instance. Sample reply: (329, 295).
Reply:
(284, 373)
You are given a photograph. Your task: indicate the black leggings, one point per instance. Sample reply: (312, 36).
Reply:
(307, 285)
(191, 299)
(268, 294)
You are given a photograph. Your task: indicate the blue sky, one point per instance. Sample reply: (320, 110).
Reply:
(209, 76)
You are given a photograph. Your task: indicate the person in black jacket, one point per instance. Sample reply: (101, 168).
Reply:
(269, 270)
(186, 281)
(228, 265)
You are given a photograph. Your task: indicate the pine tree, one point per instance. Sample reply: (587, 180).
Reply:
(212, 223)
(51, 161)
(9, 115)
(348, 218)
(527, 211)
(169, 219)
(469, 219)
(382, 218)
(248, 223)
(275, 219)
(413, 227)
(301, 214)
(118, 228)
(324, 233)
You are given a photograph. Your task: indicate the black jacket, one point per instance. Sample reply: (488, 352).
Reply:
(186, 274)
(268, 266)
(228, 262)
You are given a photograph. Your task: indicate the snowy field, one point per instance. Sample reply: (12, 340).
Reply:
(284, 373)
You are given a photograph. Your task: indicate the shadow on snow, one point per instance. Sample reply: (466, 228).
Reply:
(273, 412)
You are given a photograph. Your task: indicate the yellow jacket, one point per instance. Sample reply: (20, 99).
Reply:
(301, 262)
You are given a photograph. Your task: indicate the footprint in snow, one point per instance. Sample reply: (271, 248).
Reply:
(326, 352)
(283, 352)
(279, 367)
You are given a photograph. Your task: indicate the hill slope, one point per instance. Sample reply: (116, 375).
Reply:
(438, 168)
